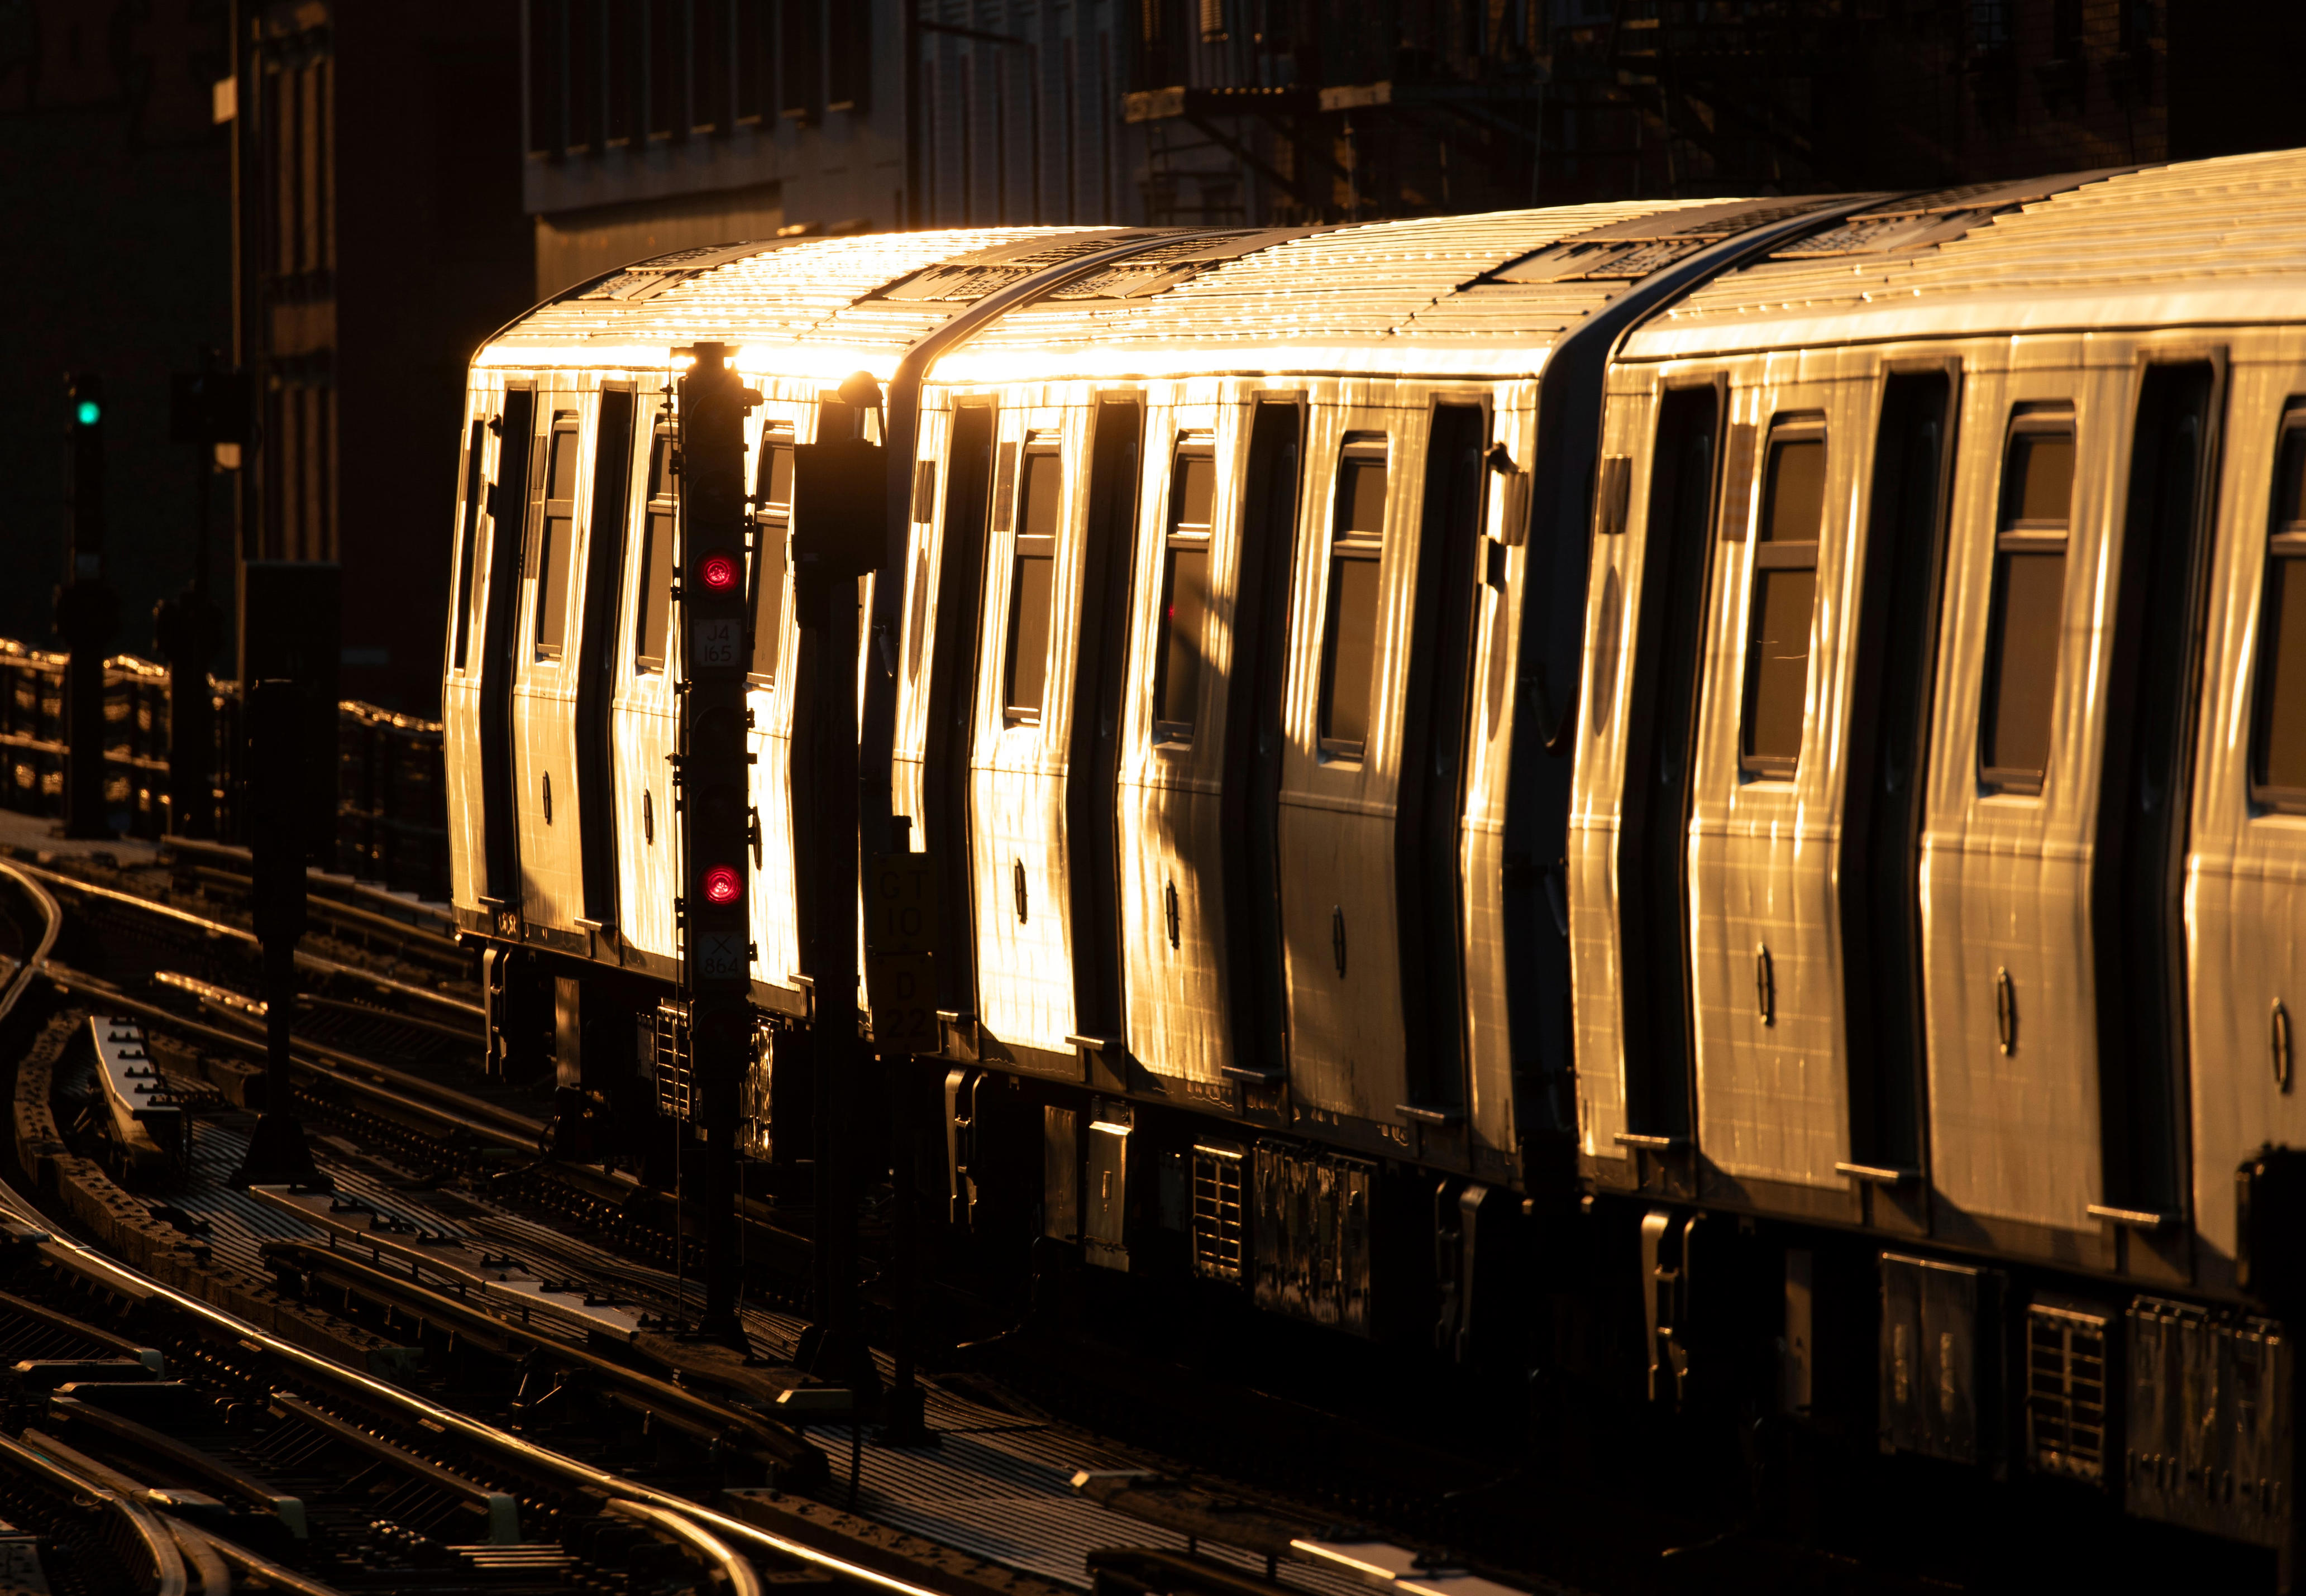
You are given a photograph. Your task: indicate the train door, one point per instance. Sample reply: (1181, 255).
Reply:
(1763, 784)
(2246, 875)
(1894, 663)
(949, 613)
(769, 699)
(460, 690)
(2013, 1094)
(1212, 591)
(1428, 880)
(1659, 720)
(1108, 546)
(1342, 775)
(1255, 730)
(546, 675)
(606, 517)
(1497, 582)
(507, 502)
(642, 715)
(2146, 779)
(1020, 864)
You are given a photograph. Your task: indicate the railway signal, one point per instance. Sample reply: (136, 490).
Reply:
(716, 932)
(87, 608)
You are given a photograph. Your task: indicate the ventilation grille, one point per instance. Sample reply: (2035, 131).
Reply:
(674, 1096)
(1217, 1225)
(2065, 1391)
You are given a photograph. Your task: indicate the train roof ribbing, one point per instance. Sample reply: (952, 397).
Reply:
(1444, 289)
(2210, 240)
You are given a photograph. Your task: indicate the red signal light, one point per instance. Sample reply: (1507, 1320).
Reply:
(718, 571)
(722, 884)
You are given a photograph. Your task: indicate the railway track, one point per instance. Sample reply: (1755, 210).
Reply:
(553, 1316)
(450, 1214)
(167, 1442)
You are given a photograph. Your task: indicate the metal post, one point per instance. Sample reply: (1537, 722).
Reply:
(208, 408)
(828, 604)
(838, 513)
(277, 1152)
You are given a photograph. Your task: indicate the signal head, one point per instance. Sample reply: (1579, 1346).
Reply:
(719, 571)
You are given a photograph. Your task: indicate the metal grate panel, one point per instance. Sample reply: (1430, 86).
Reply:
(1219, 1229)
(670, 1063)
(2065, 1391)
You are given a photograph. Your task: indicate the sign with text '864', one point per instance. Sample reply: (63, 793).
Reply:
(901, 928)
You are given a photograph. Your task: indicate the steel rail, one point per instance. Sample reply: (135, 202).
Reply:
(432, 910)
(742, 1580)
(329, 1063)
(53, 917)
(362, 921)
(168, 1562)
(435, 1417)
(312, 961)
(251, 1564)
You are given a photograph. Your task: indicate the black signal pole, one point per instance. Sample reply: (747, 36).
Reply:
(838, 505)
(207, 407)
(276, 1153)
(716, 931)
(87, 608)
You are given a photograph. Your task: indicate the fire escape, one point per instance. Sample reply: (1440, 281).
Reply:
(1515, 103)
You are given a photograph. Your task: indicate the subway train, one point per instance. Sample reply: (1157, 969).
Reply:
(1772, 730)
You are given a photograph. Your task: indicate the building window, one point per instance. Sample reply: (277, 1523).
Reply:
(1032, 587)
(549, 556)
(1185, 593)
(2278, 754)
(1349, 641)
(2027, 620)
(1785, 597)
(655, 588)
(772, 498)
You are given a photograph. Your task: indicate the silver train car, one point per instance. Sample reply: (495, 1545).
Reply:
(1777, 720)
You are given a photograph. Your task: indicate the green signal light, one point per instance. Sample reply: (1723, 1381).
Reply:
(90, 412)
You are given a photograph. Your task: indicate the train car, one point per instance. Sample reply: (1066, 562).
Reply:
(1779, 717)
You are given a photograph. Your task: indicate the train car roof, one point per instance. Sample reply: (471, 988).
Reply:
(1475, 294)
(2220, 241)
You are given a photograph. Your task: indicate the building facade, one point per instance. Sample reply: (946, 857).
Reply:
(379, 241)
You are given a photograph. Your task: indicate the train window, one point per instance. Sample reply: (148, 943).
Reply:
(555, 531)
(1350, 638)
(2027, 613)
(1785, 594)
(2277, 763)
(773, 503)
(1185, 594)
(1032, 589)
(655, 587)
(467, 564)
